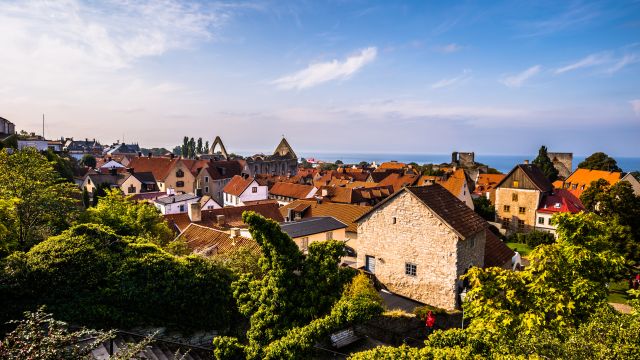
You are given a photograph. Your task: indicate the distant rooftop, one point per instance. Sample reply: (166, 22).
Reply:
(310, 226)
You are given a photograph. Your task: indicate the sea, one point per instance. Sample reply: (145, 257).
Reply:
(503, 163)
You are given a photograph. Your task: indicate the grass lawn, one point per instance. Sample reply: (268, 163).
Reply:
(523, 249)
(618, 292)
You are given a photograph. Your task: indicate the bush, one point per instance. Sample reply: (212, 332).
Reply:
(421, 311)
(532, 239)
(90, 275)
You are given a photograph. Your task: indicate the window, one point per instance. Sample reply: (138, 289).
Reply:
(179, 173)
(516, 183)
(305, 243)
(522, 210)
(254, 189)
(506, 222)
(506, 208)
(410, 269)
(206, 189)
(329, 235)
(206, 179)
(131, 189)
(521, 224)
(393, 220)
(548, 221)
(514, 197)
(541, 220)
(182, 208)
(370, 264)
(179, 183)
(574, 186)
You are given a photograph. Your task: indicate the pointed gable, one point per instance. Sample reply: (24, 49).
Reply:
(526, 176)
(285, 150)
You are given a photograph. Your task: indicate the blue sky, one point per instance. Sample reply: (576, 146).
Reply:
(337, 76)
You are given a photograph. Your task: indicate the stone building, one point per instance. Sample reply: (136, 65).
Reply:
(419, 241)
(519, 195)
(283, 161)
(563, 162)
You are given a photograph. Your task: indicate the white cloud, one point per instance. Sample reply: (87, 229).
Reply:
(319, 73)
(449, 48)
(627, 59)
(452, 81)
(635, 104)
(517, 80)
(589, 61)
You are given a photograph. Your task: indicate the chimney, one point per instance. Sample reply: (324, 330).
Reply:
(172, 156)
(220, 220)
(139, 153)
(170, 191)
(234, 232)
(324, 192)
(195, 212)
(149, 154)
(526, 162)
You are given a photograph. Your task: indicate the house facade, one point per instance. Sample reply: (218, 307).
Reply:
(560, 201)
(240, 190)
(518, 197)
(419, 241)
(285, 193)
(314, 229)
(175, 204)
(212, 179)
(169, 172)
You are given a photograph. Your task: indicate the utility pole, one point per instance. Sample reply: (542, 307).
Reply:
(43, 126)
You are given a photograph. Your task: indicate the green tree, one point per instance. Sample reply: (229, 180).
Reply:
(618, 203)
(185, 147)
(292, 290)
(484, 208)
(88, 160)
(42, 202)
(199, 148)
(130, 218)
(206, 147)
(63, 165)
(599, 161)
(86, 201)
(191, 149)
(90, 275)
(544, 163)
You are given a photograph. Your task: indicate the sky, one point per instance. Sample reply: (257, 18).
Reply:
(331, 76)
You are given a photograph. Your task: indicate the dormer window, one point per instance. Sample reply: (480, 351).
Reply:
(179, 173)
(516, 183)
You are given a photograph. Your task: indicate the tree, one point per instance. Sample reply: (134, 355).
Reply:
(192, 148)
(90, 275)
(185, 147)
(86, 201)
(484, 208)
(619, 204)
(599, 161)
(544, 163)
(177, 150)
(206, 147)
(339, 162)
(130, 218)
(63, 165)
(199, 146)
(42, 202)
(88, 160)
(292, 291)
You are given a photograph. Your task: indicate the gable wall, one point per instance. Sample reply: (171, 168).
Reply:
(418, 237)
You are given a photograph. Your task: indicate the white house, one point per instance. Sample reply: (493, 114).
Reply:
(240, 190)
(175, 204)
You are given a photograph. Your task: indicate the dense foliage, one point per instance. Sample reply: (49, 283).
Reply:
(533, 238)
(88, 160)
(90, 275)
(484, 208)
(620, 205)
(294, 302)
(129, 218)
(555, 308)
(599, 161)
(37, 202)
(545, 164)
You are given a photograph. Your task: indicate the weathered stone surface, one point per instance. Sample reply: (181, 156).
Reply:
(417, 237)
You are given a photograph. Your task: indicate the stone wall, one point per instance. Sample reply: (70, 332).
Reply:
(529, 199)
(563, 162)
(417, 237)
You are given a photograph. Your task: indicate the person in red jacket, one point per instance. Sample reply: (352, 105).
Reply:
(430, 322)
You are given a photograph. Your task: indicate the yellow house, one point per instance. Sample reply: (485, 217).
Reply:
(307, 231)
(169, 172)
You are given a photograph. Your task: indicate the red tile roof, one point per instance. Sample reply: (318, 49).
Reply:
(399, 180)
(561, 201)
(295, 191)
(347, 213)
(159, 166)
(232, 216)
(208, 241)
(237, 185)
(487, 182)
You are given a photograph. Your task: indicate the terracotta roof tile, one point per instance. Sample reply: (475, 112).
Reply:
(455, 182)
(237, 185)
(399, 180)
(488, 182)
(208, 241)
(581, 179)
(347, 213)
(159, 166)
(295, 191)
(561, 200)
(496, 252)
(232, 216)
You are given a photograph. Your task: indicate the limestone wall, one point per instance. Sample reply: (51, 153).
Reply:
(417, 237)
(529, 199)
